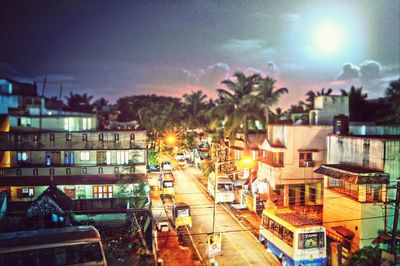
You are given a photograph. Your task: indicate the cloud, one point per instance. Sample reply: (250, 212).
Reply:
(211, 76)
(349, 71)
(370, 69)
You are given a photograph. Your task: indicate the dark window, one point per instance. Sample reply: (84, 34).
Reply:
(116, 137)
(18, 137)
(69, 137)
(68, 171)
(101, 137)
(19, 121)
(51, 137)
(19, 173)
(35, 137)
(84, 170)
(132, 136)
(84, 137)
(35, 171)
(100, 170)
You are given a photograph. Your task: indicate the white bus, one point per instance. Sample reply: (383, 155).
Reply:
(225, 190)
(75, 245)
(295, 239)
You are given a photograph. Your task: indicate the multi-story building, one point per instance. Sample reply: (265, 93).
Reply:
(288, 159)
(359, 181)
(41, 146)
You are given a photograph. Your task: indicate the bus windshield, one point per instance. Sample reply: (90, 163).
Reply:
(168, 184)
(225, 187)
(311, 240)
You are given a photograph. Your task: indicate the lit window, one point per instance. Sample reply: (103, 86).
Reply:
(84, 123)
(84, 155)
(102, 191)
(22, 156)
(89, 123)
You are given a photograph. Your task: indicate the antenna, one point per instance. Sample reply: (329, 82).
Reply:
(61, 89)
(44, 85)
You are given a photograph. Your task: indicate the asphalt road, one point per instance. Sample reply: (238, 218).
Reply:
(239, 246)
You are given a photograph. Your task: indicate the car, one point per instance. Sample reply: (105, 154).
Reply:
(180, 156)
(166, 166)
(153, 168)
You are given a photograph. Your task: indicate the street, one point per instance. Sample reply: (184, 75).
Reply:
(239, 246)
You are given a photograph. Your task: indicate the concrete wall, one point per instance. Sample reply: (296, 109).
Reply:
(295, 138)
(327, 107)
(8, 101)
(58, 123)
(365, 220)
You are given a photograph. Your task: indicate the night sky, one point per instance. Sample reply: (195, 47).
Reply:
(120, 48)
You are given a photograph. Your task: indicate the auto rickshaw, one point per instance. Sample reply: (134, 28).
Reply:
(181, 212)
(167, 188)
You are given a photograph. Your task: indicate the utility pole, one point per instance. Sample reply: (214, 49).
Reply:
(396, 220)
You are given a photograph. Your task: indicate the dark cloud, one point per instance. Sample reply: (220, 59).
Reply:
(370, 69)
(349, 71)
(208, 77)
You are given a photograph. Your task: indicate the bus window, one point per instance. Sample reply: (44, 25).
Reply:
(74, 254)
(311, 240)
(92, 252)
(225, 187)
(9, 259)
(43, 256)
(183, 213)
(60, 256)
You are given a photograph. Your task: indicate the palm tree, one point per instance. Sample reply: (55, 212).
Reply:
(236, 106)
(268, 96)
(311, 96)
(79, 102)
(194, 109)
(357, 102)
(393, 93)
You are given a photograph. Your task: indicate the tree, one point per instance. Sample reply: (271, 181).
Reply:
(393, 93)
(236, 106)
(311, 96)
(195, 107)
(367, 256)
(79, 102)
(268, 96)
(357, 102)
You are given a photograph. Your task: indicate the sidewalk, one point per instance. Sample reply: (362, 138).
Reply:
(168, 246)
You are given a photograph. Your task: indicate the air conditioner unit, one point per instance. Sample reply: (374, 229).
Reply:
(309, 164)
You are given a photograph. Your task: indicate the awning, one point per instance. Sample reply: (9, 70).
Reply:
(353, 174)
(343, 231)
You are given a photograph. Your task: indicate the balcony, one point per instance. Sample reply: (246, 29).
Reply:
(68, 175)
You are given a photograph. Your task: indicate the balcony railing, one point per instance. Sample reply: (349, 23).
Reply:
(73, 170)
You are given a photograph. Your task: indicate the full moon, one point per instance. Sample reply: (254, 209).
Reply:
(328, 38)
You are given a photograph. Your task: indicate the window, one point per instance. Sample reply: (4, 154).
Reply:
(68, 171)
(18, 137)
(51, 137)
(69, 158)
(100, 170)
(22, 156)
(35, 171)
(84, 156)
(311, 240)
(69, 137)
(313, 194)
(116, 170)
(84, 170)
(84, 137)
(132, 137)
(100, 192)
(373, 192)
(25, 192)
(35, 137)
(306, 159)
(84, 123)
(116, 137)
(101, 137)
